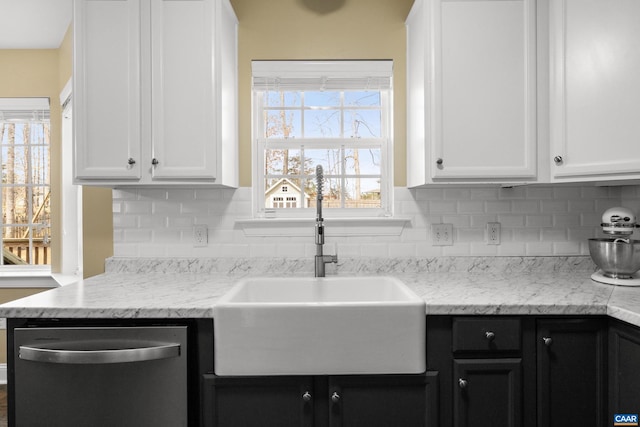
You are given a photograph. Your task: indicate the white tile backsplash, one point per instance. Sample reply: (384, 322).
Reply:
(535, 221)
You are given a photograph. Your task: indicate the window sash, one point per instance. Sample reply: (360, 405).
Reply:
(27, 112)
(314, 76)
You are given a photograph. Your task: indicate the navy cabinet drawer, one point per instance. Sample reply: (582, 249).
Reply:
(486, 334)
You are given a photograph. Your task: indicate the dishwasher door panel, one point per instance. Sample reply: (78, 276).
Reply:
(125, 376)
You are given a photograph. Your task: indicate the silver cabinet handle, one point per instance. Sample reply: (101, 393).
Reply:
(141, 354)
(462, 383)
(306, 396)
(558, 160)
(131, 161)
(335, 397)
(547, 341)
(154, 161)
(490, 335)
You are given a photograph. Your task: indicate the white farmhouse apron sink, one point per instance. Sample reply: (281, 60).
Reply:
(319, 326)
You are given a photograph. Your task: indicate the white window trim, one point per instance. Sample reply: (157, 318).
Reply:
(26, 104)
(71, 200)
(324, 70)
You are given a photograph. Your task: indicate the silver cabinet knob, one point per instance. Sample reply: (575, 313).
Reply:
(131, 161)
(558, 160)
(547, 341)
(306, 396)
(489, 335)
(335, 397)
(462, 383)
(439, 162)
(154, 161)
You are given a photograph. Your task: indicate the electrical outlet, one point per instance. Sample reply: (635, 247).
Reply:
(493, 233)
(200, 236)
(442, 234)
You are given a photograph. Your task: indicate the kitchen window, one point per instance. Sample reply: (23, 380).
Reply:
(332, 113)
(26, 172)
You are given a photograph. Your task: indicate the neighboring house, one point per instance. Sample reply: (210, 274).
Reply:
(285, 194)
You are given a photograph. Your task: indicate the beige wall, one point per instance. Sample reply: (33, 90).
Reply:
(97, 229)
(322, 29)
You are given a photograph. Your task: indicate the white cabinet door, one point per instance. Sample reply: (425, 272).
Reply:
(475, 62)
(183, 91)
(595, 89)
(106, 79)
(485, 121)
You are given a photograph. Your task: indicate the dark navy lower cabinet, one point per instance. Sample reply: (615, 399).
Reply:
(572, 372)
(484, 363)
(624, 372)
(383, 400)
(489, 392)
(258, 401)
(526, 371)
(333, 401)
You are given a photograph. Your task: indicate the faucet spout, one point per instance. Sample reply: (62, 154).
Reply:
(320, 258)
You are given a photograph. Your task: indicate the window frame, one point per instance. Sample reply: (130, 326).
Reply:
(26, 104)
(319, 70)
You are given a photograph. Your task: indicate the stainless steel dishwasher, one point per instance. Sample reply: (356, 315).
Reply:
(101, 376)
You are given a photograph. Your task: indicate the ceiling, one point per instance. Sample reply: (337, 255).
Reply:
(33, 24)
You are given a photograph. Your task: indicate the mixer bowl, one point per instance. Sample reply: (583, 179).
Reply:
(617, 260)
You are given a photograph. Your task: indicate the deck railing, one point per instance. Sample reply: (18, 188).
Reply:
(16, 251)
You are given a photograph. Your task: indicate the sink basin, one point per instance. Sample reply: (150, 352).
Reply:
(319, 326)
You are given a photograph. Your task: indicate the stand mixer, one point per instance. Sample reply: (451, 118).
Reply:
(618, 256)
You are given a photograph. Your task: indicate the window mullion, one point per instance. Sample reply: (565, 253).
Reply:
(302, 109)
(342, 114)
(29, 219)
(29, 194)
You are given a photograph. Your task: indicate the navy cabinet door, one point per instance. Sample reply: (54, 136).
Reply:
(258, 401)
(571, 373)
(487, 392)
(383, 400)
(624, 370)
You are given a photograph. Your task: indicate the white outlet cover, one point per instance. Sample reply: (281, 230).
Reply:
(200, 236)
(493, 233)
(442, 234)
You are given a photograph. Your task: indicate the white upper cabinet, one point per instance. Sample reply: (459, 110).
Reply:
(106, 90)
(595, 90)
(155, 90)
(471, 91)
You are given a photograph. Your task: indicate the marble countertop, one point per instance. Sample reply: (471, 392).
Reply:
(190, 290)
